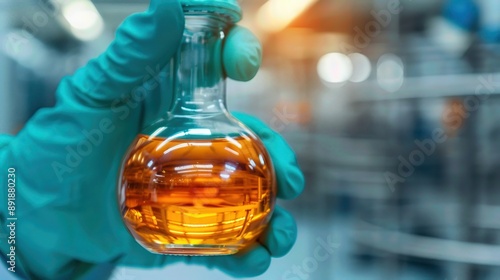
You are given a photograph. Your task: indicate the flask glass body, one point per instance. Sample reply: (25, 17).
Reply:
(197, 181)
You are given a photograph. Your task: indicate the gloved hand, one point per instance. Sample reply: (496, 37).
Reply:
(67, 157)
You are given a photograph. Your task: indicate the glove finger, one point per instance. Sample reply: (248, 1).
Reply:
(5, 140)
(281, 234)
(289, 178)
(251, 262)
(242, 54)
(143, 45)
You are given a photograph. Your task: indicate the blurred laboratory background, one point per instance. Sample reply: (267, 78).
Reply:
(391, 105)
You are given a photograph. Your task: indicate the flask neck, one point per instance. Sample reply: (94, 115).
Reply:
(197, 71)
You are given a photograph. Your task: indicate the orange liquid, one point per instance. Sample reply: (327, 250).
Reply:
(197, 197)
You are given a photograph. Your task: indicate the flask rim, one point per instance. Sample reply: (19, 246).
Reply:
(231, 12)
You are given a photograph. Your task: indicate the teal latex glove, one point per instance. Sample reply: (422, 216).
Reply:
(67, 157)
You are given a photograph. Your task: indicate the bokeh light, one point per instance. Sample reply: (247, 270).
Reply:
(390, 72)
(83, 18)
(362, 67)
(335, 68)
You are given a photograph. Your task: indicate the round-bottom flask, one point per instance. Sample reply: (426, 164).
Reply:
(197, 181)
